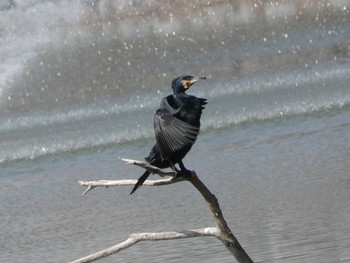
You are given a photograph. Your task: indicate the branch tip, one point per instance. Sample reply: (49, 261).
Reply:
(89, 188)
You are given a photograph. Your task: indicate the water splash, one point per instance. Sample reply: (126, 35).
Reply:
(235, 102)
(88, 74)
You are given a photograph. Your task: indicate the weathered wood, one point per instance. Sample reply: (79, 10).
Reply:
(226, 236)
(149, 167)
(221, 230)
(137, 237)
(108, 183)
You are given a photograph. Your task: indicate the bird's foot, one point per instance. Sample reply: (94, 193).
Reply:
(183, 174)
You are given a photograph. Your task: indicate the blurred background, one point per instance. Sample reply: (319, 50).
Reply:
(81, 80)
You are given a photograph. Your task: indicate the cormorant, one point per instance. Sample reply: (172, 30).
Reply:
(176, 126)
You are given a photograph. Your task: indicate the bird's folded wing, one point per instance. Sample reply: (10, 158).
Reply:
(171, 133)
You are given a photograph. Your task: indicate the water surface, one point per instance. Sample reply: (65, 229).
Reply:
(78, 89)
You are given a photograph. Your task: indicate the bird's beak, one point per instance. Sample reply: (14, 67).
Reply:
(195, 79)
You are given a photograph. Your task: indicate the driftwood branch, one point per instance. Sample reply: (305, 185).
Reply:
(137, 237)
(153, 169)
(221, 230)
(108, 183)
(149, 167)
(226, 236)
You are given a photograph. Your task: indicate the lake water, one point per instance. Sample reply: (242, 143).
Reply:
(79, 85)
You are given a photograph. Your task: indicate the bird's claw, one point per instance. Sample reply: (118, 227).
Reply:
(183, 174)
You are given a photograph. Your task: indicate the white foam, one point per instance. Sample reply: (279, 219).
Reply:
(24, 27)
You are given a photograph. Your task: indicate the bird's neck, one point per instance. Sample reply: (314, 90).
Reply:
(180, 94)
(180, 98)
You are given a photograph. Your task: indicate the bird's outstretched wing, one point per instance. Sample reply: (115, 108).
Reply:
(172, 134)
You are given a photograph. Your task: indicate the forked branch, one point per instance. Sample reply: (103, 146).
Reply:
(221, 231)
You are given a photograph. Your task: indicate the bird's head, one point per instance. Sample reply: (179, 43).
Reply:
(183, 83)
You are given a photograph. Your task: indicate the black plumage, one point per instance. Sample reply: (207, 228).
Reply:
(176, 127)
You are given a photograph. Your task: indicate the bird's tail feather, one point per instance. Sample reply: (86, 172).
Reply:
(140, 181)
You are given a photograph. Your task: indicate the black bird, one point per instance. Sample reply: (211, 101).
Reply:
(176, 126)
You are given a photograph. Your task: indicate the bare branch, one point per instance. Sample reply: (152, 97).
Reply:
(149, 167)
(137, 237)
(107, 183)
(226, 236)
(221, 231)
(153, 169)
